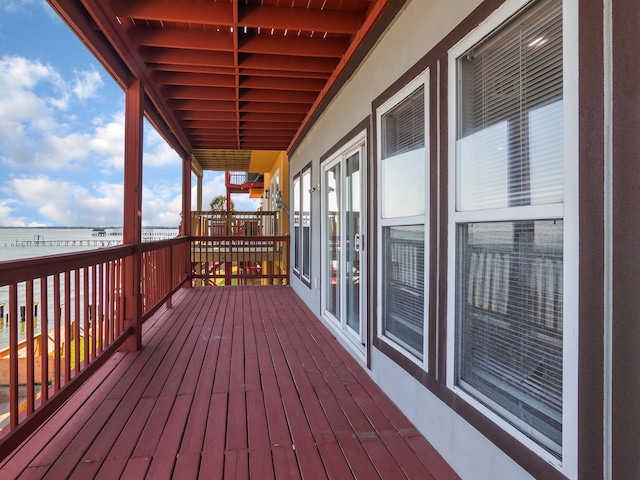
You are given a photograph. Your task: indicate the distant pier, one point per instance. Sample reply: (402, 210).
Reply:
(66, 243)
(101, 237)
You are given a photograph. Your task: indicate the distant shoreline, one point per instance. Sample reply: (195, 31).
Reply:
(165, 227)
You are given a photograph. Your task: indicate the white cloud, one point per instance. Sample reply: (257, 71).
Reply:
(211, 188)
(161, 207)
(157, 152)
(87, 83)
(108, 142)
(7, 214)
(33, 130)
(65, 203)
(214, 186)
(17, 5)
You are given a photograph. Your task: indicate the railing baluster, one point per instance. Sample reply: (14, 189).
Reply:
(76, 321)
(29, 333)
(13, 356)
(44, 340)
(111, 291)
(94, 312)
(57, 367)
(100, 309)
(87, 315)
(67, 327)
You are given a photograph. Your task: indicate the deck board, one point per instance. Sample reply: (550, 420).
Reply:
(235, 383)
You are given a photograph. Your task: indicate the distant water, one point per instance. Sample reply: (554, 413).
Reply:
(11, 238)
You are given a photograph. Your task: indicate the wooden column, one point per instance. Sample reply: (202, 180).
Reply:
(186, 209)
(132, 226)
(199, 193)
(186, 196)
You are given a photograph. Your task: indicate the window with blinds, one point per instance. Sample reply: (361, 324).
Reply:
(403, 199)
(510, 142)
(296, 224)
(510, 301)
(509, 274)
(403, 158)
(306, 224)
(403, 286)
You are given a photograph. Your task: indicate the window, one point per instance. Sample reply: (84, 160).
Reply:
(508, 222)
(306, 225)
(296, 225)
(302, 224)
(402, 205)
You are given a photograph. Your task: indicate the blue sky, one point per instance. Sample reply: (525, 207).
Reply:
(62, 133)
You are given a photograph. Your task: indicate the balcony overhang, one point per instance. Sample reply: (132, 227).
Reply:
(224, 78)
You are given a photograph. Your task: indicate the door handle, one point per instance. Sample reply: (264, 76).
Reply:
(358, 242)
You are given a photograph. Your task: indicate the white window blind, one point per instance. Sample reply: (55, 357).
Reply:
(509, 147)
(509, 275)
(403, 126)
(403, 286)
(306, 224)
(510, 300)
(403, 158)
(296, 223)
(403, 165)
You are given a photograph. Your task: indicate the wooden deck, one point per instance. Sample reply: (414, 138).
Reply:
(234, 383)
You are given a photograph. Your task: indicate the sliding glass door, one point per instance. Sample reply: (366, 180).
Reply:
(343, 242)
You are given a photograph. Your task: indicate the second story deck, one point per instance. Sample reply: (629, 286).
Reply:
(233, 382)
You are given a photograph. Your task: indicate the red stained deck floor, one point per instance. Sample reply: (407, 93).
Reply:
(234, 383)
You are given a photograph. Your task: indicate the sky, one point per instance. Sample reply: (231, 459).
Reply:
(62, 134)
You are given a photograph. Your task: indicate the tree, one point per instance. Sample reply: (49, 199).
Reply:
(219, 204)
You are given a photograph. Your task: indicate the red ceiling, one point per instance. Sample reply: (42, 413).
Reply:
(227, 74)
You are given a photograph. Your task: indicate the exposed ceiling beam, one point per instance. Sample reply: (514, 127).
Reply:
(173, 56)
(296, 46)
(199, 93)
(201, 40)
(188, 11)
(285, 63)
(282, 83)
(309, 20)
(194, 79)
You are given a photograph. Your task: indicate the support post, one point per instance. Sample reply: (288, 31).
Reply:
(186, 196)
(186, 209)
(132, 225)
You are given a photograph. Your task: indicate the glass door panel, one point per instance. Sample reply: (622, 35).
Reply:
(333, 239)
(343, 243)
(353, 241)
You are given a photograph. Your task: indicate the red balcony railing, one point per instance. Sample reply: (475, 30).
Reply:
(65, 315)
(240, 224)
(228, 260)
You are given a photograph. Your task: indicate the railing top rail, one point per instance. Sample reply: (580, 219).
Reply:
(234, 213)
(158, 244)
(15, 271)
(241, 238)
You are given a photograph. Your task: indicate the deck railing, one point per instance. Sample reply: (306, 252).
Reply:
(65, 316)
(227, 260)
(238, 224)
(164, 267)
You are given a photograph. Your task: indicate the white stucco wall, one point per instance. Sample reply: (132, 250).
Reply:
(419, 26)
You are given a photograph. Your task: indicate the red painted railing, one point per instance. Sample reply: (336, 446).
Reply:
(164, 267)
(65, 316)
(226, 260)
